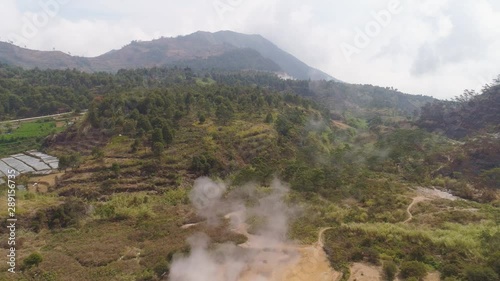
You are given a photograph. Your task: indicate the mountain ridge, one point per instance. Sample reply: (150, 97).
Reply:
(190, 50)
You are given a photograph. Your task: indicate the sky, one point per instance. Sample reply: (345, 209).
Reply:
(429, 47)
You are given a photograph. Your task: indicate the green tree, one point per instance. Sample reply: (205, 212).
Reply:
(75, 160)
(63, 162)
(72, 160)
(158, 149)
(283, 126)
(168, 134)
(129, 127)
(93, 116)
(203, 163)
(157, 136)
(224, 113)
(144, 123)
(135, 146)
(201, 118)
(269, 118)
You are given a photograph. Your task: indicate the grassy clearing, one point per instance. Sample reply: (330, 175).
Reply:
(28, 202)
(137, 241)
(19, 138)
(32, 130)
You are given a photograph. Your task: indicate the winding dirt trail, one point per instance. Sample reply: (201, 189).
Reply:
(424, 194)
(321, 241)
(416, 200)
(313, 263)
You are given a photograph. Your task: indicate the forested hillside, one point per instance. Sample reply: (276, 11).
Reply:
(27, 93)
(473, 119)
(468, 114)
(378, 190)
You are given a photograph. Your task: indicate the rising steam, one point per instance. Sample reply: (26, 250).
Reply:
(265, 252)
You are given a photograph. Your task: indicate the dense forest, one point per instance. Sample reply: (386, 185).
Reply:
(466, 115)
(28, 93)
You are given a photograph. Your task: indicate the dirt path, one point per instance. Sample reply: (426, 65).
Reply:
(424, 194)
(321, 233)
(416, 200)
(313, 263)
(365, 272)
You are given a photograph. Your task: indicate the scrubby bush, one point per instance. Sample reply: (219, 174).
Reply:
(450, 270)
(413, 269)
(65, 215)
(105, 211)
(390, 269)
(474, 273)
(32, 260)
(162, 267)
(494, 262)
(372, 256)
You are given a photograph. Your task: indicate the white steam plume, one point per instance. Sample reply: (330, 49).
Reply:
(265, 253)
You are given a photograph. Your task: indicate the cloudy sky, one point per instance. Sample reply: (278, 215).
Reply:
(430, 47)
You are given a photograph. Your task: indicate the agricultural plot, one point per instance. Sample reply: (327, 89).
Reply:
(35, 163)
(17, 137)
(4, 168)
(32, 130)
(17, 165)
(32, 162)
(52, 161)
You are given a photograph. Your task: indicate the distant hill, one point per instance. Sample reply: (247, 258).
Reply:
(468, 115)
(225, 50)
(362, 100)
(13, 55)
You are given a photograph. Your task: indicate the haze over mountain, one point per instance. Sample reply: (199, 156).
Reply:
(225, 50)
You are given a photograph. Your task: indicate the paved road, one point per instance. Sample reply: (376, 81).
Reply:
(39, 117)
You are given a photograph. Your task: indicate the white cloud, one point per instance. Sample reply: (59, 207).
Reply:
(434, 47)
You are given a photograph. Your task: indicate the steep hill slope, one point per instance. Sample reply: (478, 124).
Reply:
(286, 61)
(133, 190)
